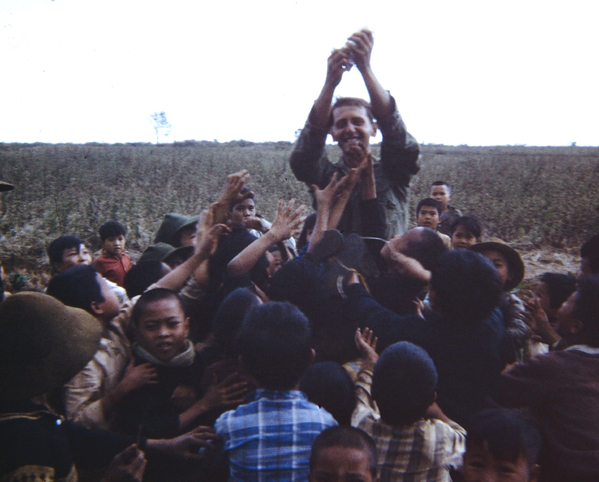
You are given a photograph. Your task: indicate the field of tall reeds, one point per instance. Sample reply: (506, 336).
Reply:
(547, 196)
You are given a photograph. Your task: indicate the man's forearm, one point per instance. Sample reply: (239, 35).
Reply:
(380, 99)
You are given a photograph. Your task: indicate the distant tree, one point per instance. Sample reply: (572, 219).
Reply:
(161, 125)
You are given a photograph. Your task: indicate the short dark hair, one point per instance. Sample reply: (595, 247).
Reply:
(111, 229)
(351, 101)
(590, 250)
(466, 285)
(329, 386)
(586, 309)
(141, 276)
(152, 296)
(57, 247)
(429, 202)
(470, 224)
(508, 434)
(560, 287)
(427, 249)
(242, 191)
(77, 287)
(348, 437)
(275, 345)
(442, 183)
(230, 315)
(309, 223)
(404, 382)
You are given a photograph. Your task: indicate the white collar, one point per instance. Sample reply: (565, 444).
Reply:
(589, 350)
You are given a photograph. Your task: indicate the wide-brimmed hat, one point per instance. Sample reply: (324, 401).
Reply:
(165, 252)
(43, 344)
(6, 186)
(171, 225)
(514, 261)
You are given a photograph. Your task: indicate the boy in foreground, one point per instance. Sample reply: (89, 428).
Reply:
(113, 263)
(343, 454)
(503, 446)
(271, 437)
(415, 440)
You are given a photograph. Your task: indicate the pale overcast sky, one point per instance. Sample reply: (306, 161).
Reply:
(463, 72)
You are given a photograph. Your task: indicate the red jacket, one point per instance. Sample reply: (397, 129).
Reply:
(113, 269)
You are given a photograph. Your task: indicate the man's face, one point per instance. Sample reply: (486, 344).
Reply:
(163, 329)
(74, 257)
(243, 212)
(441, 194)
(114, 245)
(352, 129)
(428, 217)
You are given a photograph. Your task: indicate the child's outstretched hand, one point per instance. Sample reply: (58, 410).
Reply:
(366, 343)
(228, 392)
(233, 185)
(208, 243)
(536, 318)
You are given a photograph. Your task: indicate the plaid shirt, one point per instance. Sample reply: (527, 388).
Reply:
(270, 438)
(423, 451)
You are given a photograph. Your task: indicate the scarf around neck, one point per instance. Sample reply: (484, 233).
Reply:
(183, 359)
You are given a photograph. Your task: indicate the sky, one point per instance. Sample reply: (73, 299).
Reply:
(522, 72)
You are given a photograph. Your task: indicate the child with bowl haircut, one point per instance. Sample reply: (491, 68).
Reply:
(173, 401)
(270, 437)
(465, 232)
(343, 454)
(502, 445)
(113, 263)
(428, 215)
(415, 440)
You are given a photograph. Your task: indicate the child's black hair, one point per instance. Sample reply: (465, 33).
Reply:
(152, 296)
(347, 437)
(142, 275)
(429, 202)
(230, 316)
(466, 285)
(111, 229)
(275, 345)
(404, 382)
(590, 250)
(329, 386)
(507, 434)
(309, 223)
(560, 287)
(442, 183)
(77, 287)
(242, 191)
(57, 247)
(470, 224)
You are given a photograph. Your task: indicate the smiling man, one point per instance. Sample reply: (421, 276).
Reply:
(352, 122)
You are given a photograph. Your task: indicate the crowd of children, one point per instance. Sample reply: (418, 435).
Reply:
(228, 352)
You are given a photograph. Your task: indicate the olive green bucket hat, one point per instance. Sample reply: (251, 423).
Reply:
(43, 344)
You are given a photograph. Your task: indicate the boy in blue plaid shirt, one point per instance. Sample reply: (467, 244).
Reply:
(271, 437)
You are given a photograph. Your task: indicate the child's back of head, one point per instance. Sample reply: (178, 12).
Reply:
(501, 442)
(329, 386)
(404, 382)
(275, 345)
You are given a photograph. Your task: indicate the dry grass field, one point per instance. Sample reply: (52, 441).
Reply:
(543, 200)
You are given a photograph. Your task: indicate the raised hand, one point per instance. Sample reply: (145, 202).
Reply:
(229, 392)
(233, 185)
(288, 221)
(366, 343)
(536, 318)
(337, 64)
(206, 245)
(360, 45)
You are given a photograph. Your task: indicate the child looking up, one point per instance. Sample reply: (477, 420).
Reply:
(270, 438)
(113, 263)
(465, 232)
(343, 454)
(428, 215)
(415, 440)
(502, 445)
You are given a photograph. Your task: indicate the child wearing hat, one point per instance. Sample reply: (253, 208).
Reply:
(510, 267)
